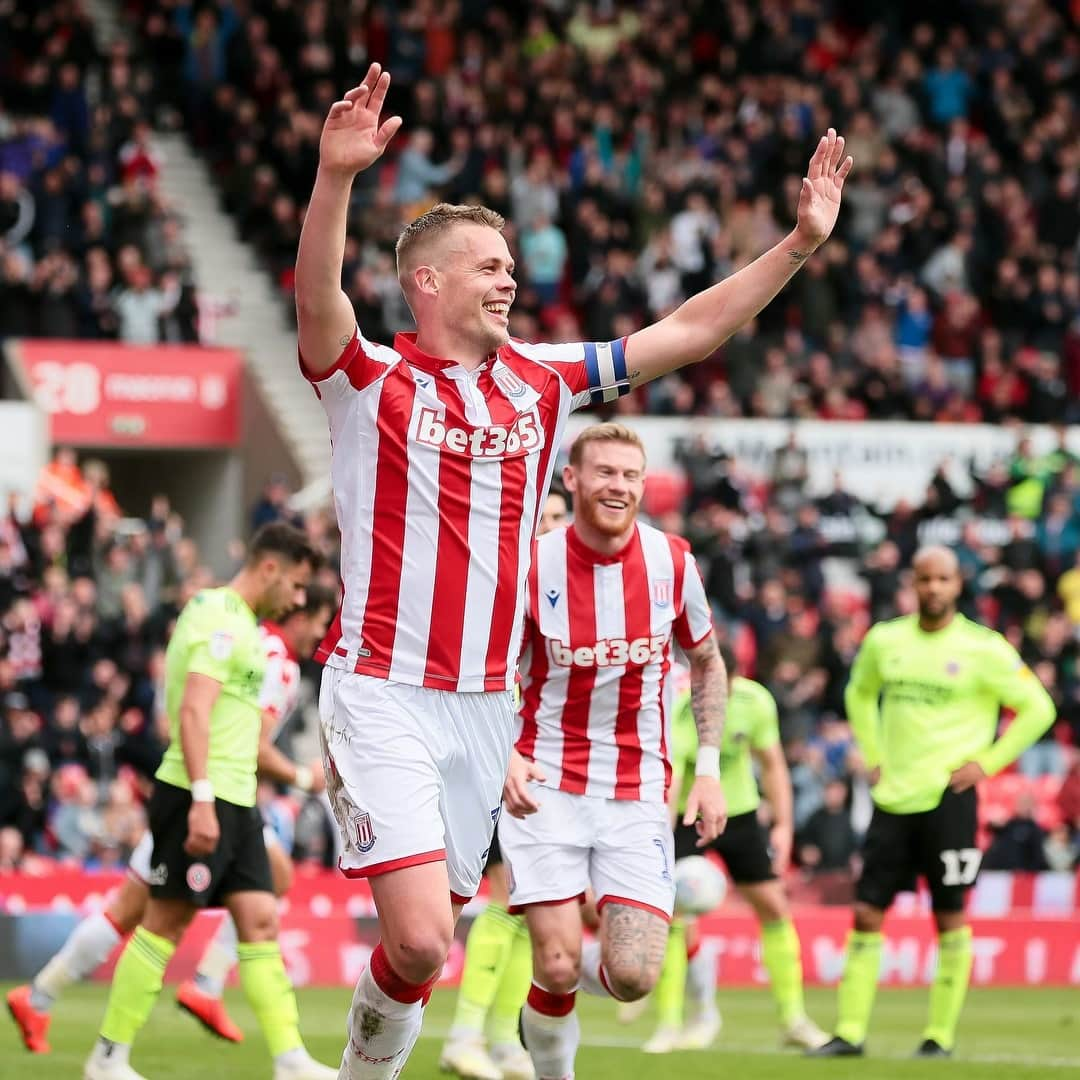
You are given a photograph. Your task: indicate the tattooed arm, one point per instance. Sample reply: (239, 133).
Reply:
(705, 804)
(708, 691)
(701, 325)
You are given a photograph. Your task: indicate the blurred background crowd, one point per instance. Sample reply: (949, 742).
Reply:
(638, 152)
(88, 598)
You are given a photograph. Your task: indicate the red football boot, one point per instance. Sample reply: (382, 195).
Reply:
(33, 1025)
(209, 1011)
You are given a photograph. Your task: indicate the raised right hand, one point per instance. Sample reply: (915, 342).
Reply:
(352, 137)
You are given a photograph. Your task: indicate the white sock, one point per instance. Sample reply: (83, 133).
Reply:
(109, 1053)
(296, 1055)
(590, 980)
(218, 959)
(411, 1043)
(701, 983)
(86, 949)
(381, 1032)
(552, 1042)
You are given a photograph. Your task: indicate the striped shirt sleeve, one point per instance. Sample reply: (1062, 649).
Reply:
(360, 363)
(694, 623)
(594, 371)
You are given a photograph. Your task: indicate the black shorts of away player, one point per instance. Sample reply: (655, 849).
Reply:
(938, 845)
(237, 864)
(743, 845)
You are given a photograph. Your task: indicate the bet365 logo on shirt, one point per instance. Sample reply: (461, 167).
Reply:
(612, 652)
(493, 441)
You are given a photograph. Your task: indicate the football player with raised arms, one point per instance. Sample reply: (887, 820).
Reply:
(444, 443)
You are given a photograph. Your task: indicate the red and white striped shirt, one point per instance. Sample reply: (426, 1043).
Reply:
(595, 707)
(438, 476)
(281, 685)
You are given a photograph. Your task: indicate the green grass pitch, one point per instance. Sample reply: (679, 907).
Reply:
(1004, 1033)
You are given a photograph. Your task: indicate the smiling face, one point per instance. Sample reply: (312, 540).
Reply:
(476, 286)
(607, 485)
(460, 287)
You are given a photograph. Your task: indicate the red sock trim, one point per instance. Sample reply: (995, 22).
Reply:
(548, 1004)
(114, 924)
(692, 950)
(392, 984)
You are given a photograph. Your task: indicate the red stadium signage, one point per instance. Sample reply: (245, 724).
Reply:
(328, 931)
(1019, 951)
(106, 394)
(333, 950)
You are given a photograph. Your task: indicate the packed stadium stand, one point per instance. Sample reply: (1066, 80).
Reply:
(638, 152)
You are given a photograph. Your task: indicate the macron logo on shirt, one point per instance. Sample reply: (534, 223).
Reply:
(494, 441)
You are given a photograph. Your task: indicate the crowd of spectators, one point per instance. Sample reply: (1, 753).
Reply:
(88, 598)
(639, 153)
(89, 247)
(795, 582)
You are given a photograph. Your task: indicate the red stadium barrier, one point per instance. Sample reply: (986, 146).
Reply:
(1017, 951)
(332, 951)
(327, 935)
(997, 894)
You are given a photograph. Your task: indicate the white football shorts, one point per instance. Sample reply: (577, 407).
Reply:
(414, 775)
(622, 848)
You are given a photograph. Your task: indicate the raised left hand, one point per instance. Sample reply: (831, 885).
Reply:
(968, 775)
(819, 200)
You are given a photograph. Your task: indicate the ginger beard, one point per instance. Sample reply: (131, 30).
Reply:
(607, 487)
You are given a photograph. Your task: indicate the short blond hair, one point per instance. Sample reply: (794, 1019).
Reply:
(437, 221)
(603, 433)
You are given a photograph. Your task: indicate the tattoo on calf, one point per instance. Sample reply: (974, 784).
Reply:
(634, 943)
